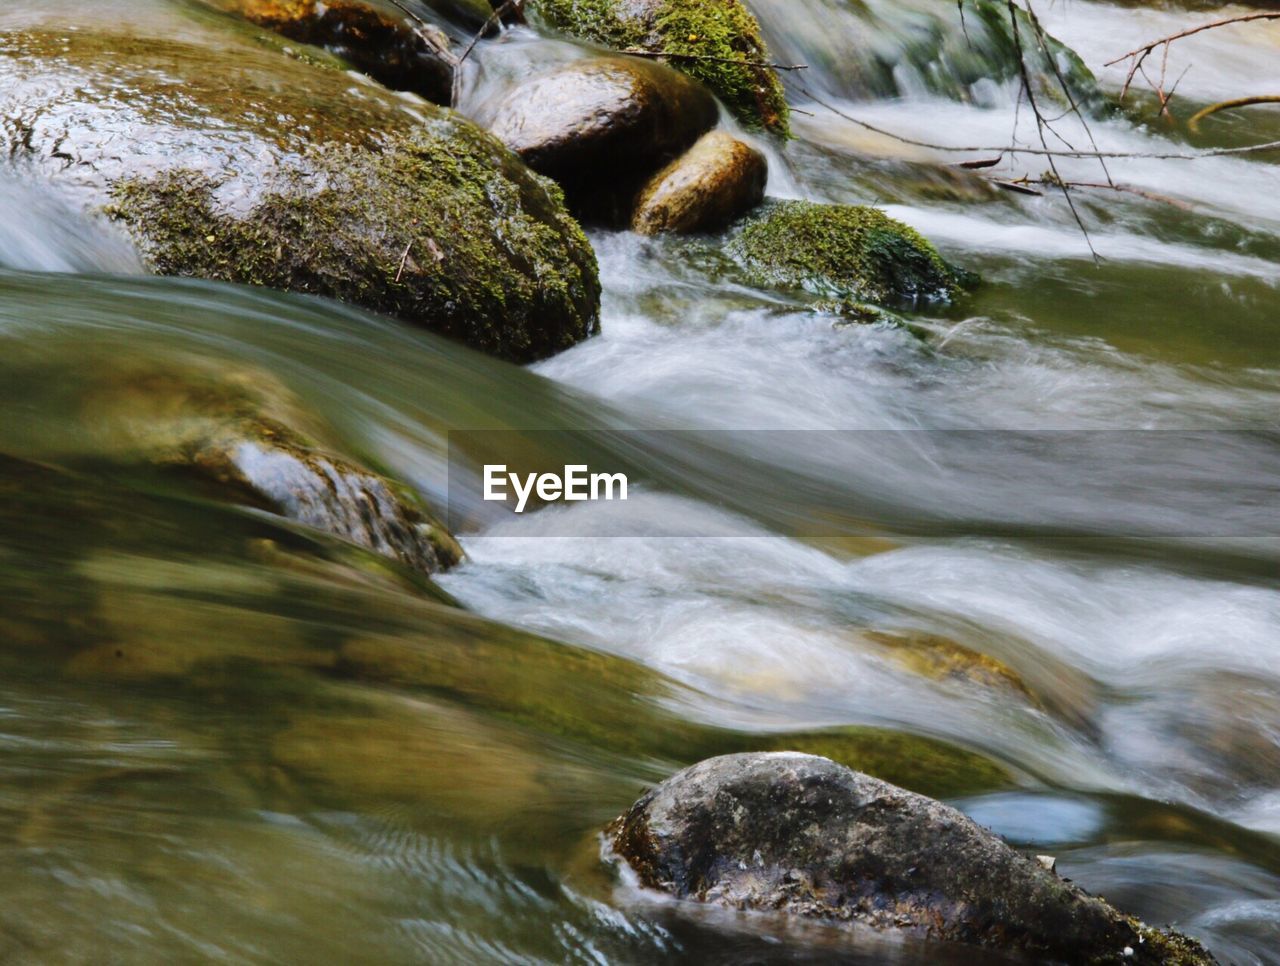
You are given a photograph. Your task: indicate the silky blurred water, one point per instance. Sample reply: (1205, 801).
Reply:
(224, 736)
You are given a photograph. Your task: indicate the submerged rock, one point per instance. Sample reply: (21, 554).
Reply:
(600, 126)
(845, 251)
(390, 48)
(803, 835)
(245, 439)
(716, 41)
(229, 161)
(711, 184)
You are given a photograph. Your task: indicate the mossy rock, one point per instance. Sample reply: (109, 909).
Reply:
(806, 836)
(242, 437)
(703, 38)
(845, 251)
(246, 166)
(942, 659)
(374, 38)
(601, 126)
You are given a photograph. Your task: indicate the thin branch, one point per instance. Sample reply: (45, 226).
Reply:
(1140, 54)
(1148, 48)
(427, 31)
(1040, 129)
(1038, 152)
(659, 54)
(404, 259)
(1122, 188)
(511, 6)
(1231, 105)
(1062, 83)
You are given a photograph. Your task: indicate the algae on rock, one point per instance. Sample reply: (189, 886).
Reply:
(845, 251)
(245, 166)
(717, 43)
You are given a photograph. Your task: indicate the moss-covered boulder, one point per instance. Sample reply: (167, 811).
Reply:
(601, 126)
(803, 835)
(716, 41)
(241, 436)
(717, 180)
(376, 39)
(845, 251)
(231, 161)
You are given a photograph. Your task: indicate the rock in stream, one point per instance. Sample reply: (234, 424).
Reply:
(803, 835)
(717, 42)
(601, 126)
(224, 158)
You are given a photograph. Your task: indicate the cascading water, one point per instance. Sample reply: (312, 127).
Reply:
(373, 774)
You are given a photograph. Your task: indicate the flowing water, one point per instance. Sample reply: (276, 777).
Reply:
(223, 736)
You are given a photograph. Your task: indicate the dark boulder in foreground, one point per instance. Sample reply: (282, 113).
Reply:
(801, 834)
(229, 160)
(845, 251)
(601, 126)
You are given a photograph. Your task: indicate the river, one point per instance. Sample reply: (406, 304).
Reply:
(371, 774)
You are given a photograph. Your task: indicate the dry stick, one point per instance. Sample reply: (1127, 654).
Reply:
(494, 19)
(1139, 54)
(1037, 152)
(1194, 123)
(641, 52)
(426, 32)
(1062, 83)
(404, 258)
(1122, 188)
(1166, 98)
(1040, 127)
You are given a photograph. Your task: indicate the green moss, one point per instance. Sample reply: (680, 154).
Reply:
(920, 764)
(845, 251)
(699, 35)
(440, 226)
(1168, 948)
(249, 167)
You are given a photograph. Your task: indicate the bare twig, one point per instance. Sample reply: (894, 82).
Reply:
(1040, 152)
(660, 54)
(1231, 105)
(1043, 39)
(1041, 127)
(1140, 54)
(404, 259)
(429, 33)
(1018, 187)
(1122, 188)
(980, 163)
(511, 6)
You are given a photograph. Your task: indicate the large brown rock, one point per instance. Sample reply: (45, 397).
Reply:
(600, 126)
(228, 160)
(716, 41)
(374, 38)
(708, 186)
(801, 834)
